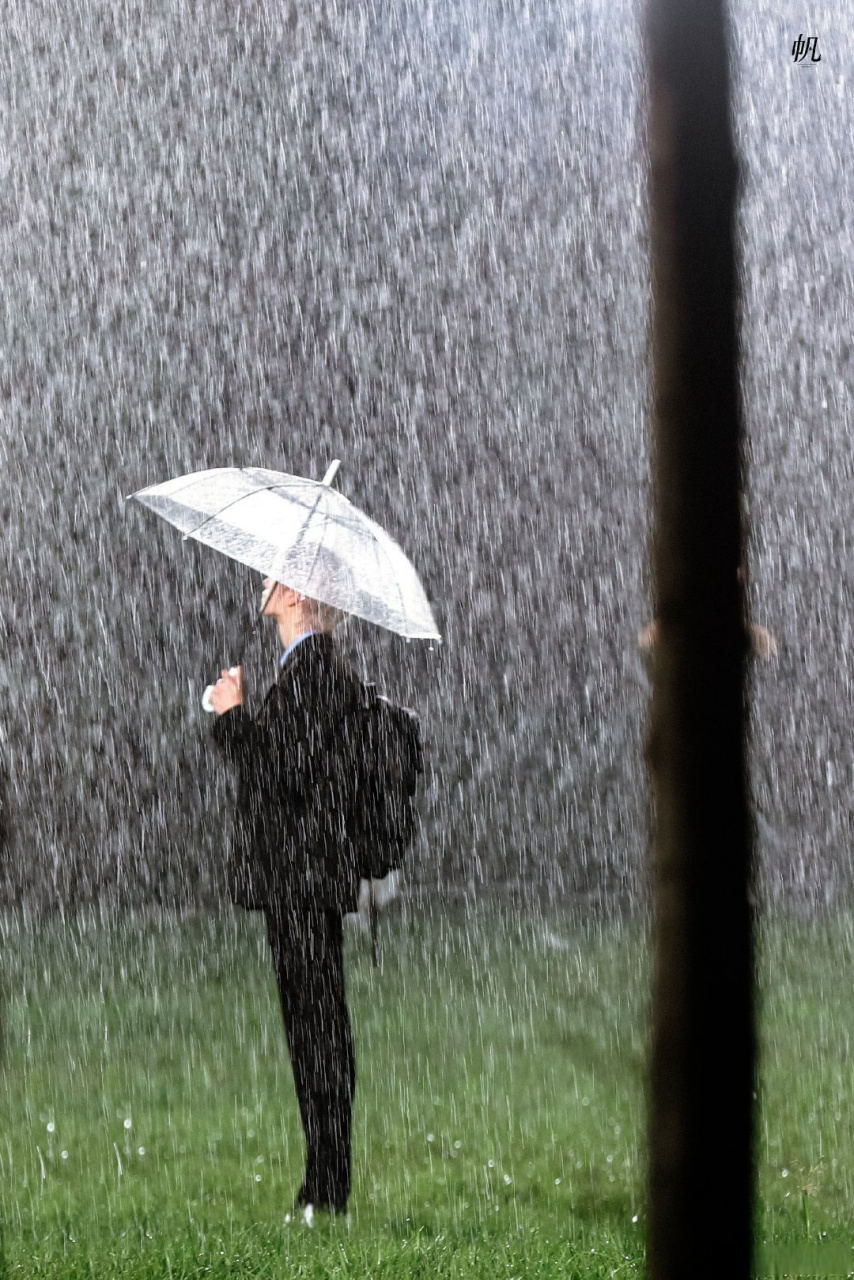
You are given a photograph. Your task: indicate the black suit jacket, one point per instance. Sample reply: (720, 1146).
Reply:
(297, 767)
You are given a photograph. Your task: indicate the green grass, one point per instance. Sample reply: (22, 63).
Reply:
(500, 1110)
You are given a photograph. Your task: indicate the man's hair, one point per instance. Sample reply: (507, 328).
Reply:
(321, 565)
(324, 616)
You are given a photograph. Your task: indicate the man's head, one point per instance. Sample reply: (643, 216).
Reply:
(295, 613)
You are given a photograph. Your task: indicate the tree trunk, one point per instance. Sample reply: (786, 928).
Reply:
(701, 1166)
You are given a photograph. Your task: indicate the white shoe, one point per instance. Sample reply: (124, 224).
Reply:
(308, 1215)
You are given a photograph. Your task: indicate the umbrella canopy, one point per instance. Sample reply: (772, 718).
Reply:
(302, 533)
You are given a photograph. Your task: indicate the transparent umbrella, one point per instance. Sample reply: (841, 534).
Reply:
(302, 533)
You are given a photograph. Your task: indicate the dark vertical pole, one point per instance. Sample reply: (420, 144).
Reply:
(701, 1175)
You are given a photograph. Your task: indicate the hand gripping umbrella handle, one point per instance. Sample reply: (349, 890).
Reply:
(206, 696)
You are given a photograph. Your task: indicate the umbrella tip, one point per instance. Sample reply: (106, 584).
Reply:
(332, 471)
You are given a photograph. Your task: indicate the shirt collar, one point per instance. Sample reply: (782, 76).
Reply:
(293, 644)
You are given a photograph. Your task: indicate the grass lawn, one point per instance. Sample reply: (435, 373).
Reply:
(150, 1127)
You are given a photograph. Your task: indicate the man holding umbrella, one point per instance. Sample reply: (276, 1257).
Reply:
(301, 760)
(291, 858)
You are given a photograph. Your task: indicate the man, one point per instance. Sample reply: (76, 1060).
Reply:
(762, 641)
(762, 644)
(291, 858)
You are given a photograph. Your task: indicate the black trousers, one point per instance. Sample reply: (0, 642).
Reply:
(308, 958)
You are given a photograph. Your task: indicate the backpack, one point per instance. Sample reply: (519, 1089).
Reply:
(390, 758)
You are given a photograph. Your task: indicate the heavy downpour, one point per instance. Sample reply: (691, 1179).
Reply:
(412, 238)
